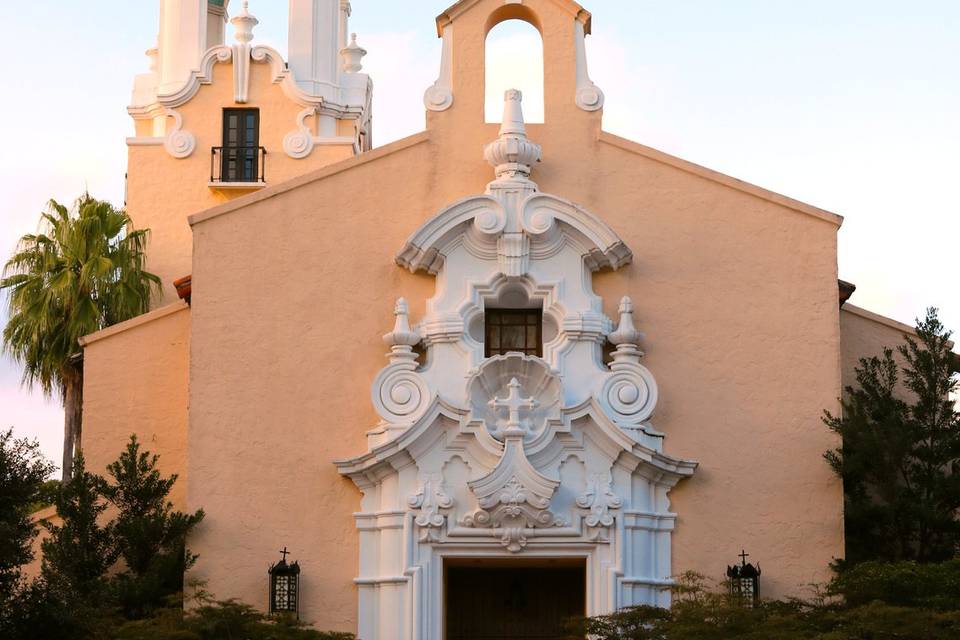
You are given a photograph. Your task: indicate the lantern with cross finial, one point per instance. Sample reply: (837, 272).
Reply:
(285, 586)
(744, 581)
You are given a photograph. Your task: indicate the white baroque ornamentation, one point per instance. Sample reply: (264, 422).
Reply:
(439, 95)
(629, 392)
(514, 496)
(589, 96)
(346, 97)
(430, 500)
(299, 142)
(507, 374)
(351, 55)
(243, 24)
(400, 394)
(470, 457)
(178, 142)
(600, 500)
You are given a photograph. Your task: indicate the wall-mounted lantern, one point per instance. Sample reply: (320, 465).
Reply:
(745, 581)
(285, 586)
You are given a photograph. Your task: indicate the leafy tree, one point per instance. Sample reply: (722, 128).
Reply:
(872, 601)
(150, 535)
(82, 272)
(46, 495)
(79, 552)
(23, 470)
(900, 457)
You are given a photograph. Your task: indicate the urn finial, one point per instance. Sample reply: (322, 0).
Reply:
(626, 337)
(352, 54)
(402, 339)
(512, 154)
(243, 24)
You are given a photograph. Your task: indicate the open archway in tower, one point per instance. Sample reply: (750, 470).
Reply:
(514, 60)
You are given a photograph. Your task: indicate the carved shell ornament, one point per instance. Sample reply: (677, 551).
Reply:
(500, 379)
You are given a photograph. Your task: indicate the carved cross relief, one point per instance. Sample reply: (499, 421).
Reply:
(513, 403)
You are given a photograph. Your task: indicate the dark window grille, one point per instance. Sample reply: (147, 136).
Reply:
(241, 158)
(508, 330)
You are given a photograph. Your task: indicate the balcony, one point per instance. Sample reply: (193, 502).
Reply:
(238, 167)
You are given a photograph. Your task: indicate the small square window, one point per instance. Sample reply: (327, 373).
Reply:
(513, 330)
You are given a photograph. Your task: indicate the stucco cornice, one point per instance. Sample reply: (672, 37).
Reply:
(133, 323)
(454, 10)
(887, 322)
(879, 319)
(716, 176)
(319, 174)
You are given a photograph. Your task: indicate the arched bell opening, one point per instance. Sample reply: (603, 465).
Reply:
(513, 59)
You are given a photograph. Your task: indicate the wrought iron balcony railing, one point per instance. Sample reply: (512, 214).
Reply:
(237, 164)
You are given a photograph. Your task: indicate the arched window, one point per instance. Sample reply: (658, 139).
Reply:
(514, 60)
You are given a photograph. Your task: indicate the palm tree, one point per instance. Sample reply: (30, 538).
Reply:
(82, 272)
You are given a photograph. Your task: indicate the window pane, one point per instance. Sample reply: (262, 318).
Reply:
(513, 337)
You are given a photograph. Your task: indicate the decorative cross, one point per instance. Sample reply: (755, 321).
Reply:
(513, 403)
(285, 553)
(743, 557)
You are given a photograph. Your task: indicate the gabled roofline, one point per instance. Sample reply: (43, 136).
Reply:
(313, 176)
(720, 178)
(891, 323)
(454, 10)
(133, 323)
(879, 319)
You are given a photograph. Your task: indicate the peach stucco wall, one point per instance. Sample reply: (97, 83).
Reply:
(864, 334)
(162, 190)
(135, 381)
(735, 288)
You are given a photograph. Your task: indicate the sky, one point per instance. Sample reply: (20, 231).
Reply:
(850, 106)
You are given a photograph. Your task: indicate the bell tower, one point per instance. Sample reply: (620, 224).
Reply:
(219, 115)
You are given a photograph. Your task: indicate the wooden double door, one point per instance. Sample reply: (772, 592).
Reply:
(513, 602)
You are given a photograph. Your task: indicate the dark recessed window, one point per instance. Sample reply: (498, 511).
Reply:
(513, 330)
(240, 157)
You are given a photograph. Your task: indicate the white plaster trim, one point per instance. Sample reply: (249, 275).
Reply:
(178, 142)
(145, 141)
(589, 96)
(423, 250)
(349, 101)
(300, 142)
(439, 95)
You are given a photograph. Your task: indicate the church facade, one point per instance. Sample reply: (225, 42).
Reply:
(604, 365)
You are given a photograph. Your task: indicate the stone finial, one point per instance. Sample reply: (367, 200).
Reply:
(352, 54)
(153, 54)
(512, 154)
(626, 337)
(243, 24)
(402, 339)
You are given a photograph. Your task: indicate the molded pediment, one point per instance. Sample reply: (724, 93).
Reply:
(547, 220)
